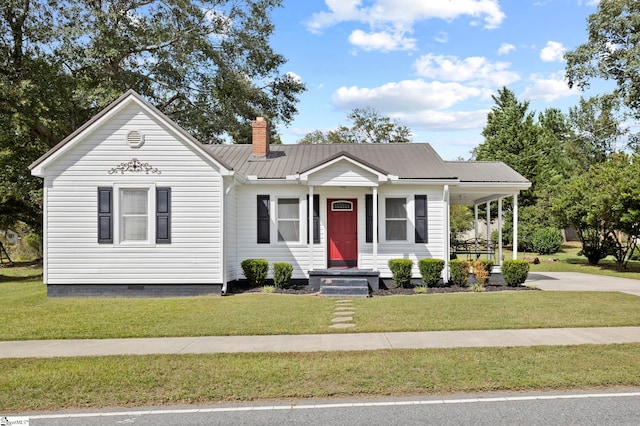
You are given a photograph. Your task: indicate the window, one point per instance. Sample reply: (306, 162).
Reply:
(396, 219)
(288, 219)
(134, 215)
(130, 213)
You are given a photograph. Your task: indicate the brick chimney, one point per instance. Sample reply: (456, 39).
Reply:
(260, 137)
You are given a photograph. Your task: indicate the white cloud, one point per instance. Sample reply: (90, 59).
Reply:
(382, 40)
(406, 96)
(506, 48)
(444, 120)
(293, 76)
(398, 16)
(441, 37)
(549, 89)
(553, 52)
(474, 69)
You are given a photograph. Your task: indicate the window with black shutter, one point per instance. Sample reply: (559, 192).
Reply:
(420, 202)
(163, 215)
(368, 201)
(316, 218)
(105, 215)
(263, 219)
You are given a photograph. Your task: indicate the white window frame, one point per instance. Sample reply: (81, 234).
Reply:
(276, 219)
(151, 214)
(385, 218)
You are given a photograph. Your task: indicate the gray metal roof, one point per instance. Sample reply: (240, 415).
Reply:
(407, 161)
(485, 171)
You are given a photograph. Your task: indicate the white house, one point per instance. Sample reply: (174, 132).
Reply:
(134, 205)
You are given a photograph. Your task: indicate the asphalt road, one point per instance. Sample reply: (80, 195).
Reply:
(620, 407)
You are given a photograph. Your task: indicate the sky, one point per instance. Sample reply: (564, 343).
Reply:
(432, 65)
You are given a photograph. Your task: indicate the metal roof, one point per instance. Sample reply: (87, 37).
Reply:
(485, 171)
(406, 160)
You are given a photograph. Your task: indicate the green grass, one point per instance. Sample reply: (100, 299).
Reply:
(65, 383)
(567, 260)
(29, 315)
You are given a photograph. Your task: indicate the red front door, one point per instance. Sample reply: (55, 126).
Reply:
(342, 230)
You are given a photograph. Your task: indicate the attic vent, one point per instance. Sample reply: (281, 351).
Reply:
(135, 139)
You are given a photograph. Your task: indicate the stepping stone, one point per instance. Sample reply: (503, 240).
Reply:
(342, 319)
(344, 302)
(345, 313)
(342, 325)
(343, 308)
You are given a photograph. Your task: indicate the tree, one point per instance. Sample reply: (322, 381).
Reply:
(612, 51)
(461, 220)
(368, 126)
(596, 130)
(206, 64)
(603, 204)
(532, 148)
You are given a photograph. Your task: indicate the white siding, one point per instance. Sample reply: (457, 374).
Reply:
(298, 253)
(343, 173)
(73, 254)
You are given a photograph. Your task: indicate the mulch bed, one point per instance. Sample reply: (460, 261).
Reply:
(496, 283)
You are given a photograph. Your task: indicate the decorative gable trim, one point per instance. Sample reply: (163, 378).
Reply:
(382, 175)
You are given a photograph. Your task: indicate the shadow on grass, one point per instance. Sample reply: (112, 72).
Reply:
(24, 268)
(606, 265)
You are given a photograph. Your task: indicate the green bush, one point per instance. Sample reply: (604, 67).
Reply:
(401, 271)
(255, 270)
(431, 270)
(486, 264)
(515, 272)
(282, 274)
(547, 240)
(459, 272)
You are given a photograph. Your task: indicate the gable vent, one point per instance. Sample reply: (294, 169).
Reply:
(135, 139)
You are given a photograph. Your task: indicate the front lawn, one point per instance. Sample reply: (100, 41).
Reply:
(28, 314)
(128, 381)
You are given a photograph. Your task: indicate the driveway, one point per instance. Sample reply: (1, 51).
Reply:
(575, 281)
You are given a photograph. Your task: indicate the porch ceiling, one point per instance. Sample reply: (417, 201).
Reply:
(472, 196)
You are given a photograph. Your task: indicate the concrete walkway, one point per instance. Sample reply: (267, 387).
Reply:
(574, 281)
(319, 342)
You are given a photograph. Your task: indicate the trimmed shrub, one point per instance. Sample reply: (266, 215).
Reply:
(401, 271)
(282, 274)
(459, 272)
(431, 270)
(255, 270)
(481, 273)
(515, 272)
(547, 240)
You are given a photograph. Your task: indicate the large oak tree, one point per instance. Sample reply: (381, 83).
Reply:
(207, 64)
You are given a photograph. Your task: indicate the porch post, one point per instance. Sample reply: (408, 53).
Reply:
(447, 234)
(375, 228)
(475, 224)
(310, 227)
(488, 227)
(499, 231)
(515, 226)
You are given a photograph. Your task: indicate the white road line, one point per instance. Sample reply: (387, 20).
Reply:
(335, 405)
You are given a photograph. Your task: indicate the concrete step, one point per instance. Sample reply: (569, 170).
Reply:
(344, 282)
(341, 291)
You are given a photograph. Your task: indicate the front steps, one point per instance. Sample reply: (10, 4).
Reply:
(344, 282)
(344, 287)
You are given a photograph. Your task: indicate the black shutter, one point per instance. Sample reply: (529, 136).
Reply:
(105, 215)
(163, 215)
(421, 218)
(263, 219)
(368, 202)
(316, 219)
